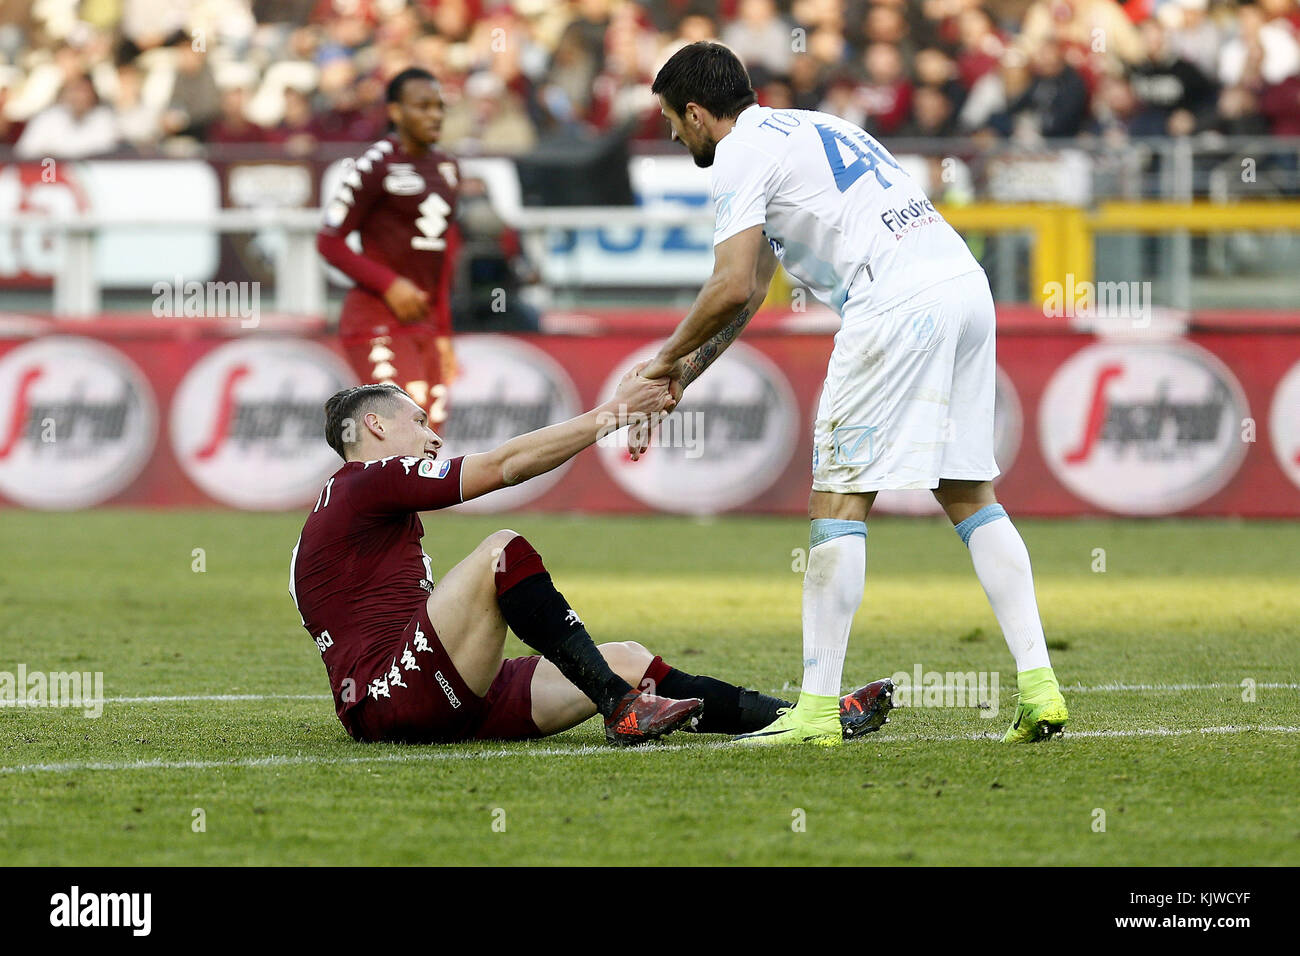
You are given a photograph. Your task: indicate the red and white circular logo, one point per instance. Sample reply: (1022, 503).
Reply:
(77, 423)
(1008, 429)
(727, 442)
(506, 387)
(1145, 428)
(1284, 424)
(248, 422)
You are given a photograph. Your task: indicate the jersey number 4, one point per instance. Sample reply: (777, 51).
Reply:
(868, 159)
(433, 223)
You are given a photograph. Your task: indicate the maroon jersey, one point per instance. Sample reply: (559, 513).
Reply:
(403, 206)
(358, 573)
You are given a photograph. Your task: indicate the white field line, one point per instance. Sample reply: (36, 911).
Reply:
(582, 750)
(1071, 689)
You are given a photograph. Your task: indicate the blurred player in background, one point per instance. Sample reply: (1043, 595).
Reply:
(400, 195)
(908, 398)
(411, 662)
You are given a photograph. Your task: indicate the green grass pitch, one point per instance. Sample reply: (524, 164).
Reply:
(1168, 748)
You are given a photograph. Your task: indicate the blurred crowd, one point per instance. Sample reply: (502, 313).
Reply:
(96, 77)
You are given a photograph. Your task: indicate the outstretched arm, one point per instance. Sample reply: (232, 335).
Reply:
(688, 369)
(540, 451)
(731, 287)
(693, 365)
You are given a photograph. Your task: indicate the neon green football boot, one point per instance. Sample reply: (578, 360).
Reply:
(1040, 712)
(813, 720)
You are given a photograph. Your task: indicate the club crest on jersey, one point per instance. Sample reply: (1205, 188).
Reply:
(403, 180)
(428, 466)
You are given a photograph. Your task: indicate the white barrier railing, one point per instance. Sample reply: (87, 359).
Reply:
(299, 276)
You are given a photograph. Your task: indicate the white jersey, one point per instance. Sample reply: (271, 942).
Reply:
(835, 203)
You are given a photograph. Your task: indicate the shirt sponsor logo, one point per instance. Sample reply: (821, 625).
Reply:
(915, 215)
(403, 180)
(77, 423)
(1143, 428)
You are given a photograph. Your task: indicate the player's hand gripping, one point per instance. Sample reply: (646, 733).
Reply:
(640, 398)
(407, 300)
(638, 436)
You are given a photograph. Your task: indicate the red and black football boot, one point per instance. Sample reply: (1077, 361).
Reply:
(866, 709)
(640, 717)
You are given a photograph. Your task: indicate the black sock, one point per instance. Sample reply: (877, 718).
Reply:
(728, 709)
(542, 619)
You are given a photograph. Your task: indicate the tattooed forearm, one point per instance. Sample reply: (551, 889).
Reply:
(693, 365)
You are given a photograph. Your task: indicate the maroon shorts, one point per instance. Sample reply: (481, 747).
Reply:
(421, 699)
(380, 349)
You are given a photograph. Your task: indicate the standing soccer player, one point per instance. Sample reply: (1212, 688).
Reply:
(400, 195)
(908, 398)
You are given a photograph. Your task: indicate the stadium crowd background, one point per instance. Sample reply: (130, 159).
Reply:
(83, 78)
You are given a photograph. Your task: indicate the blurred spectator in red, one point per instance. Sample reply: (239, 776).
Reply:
(886, 97)
(1280, 105)
(77, 126)
(989, 98)
(10, 129)
(980, 46)
(621, 93)
(232, 126)
(344, 118)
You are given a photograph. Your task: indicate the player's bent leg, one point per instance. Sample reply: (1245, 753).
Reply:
(543, 619)
(463, 609)
(1002, 565)
(559, 705)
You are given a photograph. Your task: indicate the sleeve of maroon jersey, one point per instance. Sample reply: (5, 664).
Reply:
(406, 484)
(352, 201)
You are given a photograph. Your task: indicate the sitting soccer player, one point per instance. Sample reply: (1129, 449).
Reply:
(413, 663)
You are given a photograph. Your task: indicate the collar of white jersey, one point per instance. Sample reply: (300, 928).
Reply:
(749, 114)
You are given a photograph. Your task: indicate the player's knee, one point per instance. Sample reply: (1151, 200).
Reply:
(499, 539)
(627, 659)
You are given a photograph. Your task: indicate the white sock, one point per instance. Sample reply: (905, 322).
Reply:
(832, 591)
(1002, 565)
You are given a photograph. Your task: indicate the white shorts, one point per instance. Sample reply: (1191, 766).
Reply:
(908, 398)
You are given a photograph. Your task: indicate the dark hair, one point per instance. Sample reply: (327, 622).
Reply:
(707, 73)
(394, 92)
(346, 407)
